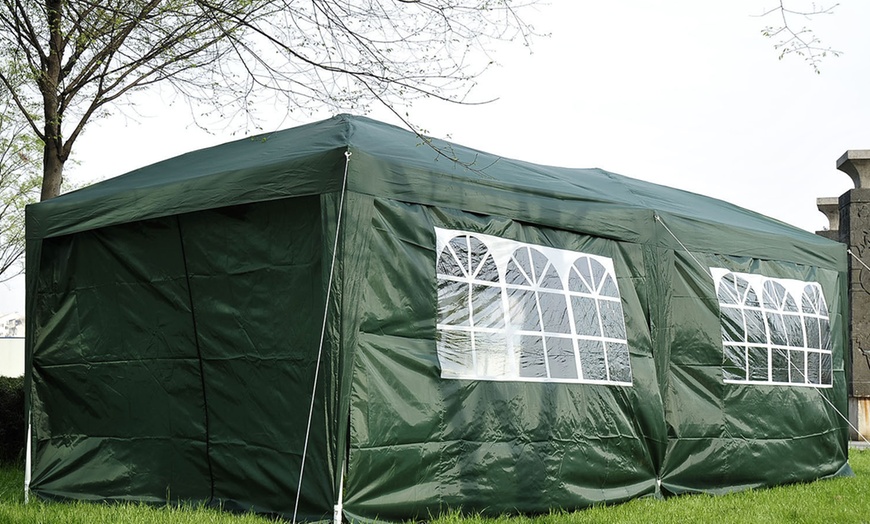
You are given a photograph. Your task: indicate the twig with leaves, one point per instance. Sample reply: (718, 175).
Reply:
(801, 42)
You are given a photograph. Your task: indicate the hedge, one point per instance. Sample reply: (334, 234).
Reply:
(11, 419)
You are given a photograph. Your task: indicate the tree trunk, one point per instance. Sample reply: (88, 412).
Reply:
(52, 171)
(53, 156)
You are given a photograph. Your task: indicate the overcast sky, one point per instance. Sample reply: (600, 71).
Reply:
(683, 93)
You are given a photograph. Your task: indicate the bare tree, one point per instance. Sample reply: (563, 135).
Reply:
(798, 39)
(19, 184)
(81, 58)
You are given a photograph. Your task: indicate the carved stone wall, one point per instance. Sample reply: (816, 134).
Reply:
(855, 232)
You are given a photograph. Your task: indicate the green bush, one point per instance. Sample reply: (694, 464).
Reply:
(11, 419)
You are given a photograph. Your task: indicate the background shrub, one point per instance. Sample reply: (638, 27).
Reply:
(11, 419)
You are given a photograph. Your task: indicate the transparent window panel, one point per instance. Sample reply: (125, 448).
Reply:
(755, 330)
(618, 362)
(735, 362)
(523, 309)
(608, 287)
(758, 369)
(810, 299)
(727, 293)
(531, 353)
(814, 335)
(780, 365)
(580, 278)
(447, 264)
(460, 247)
(599, 273)
(751, 298)
(453, 303)
(776, 327)
(733, 329)
(773, 295)
(592, 360)
(487, 271)
(539, 264)
(515, 275)
(560, 355)
(814, 368)
(491, 353)
(794, 331)
(586, 316)
(551, 279)
(487, 307)
(554, 310)
(797, 365)
(611, 318)
(454, 354)
(827, 369)
(478, 253)
(825, 328)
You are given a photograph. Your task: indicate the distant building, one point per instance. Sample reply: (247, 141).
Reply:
(11, 345)
(12, 325)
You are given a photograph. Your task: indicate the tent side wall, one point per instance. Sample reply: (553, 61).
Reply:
(489, 445)
(744, 415)
(692, 430)
(170, 356)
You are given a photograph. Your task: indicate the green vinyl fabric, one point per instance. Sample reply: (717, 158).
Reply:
(203, 325)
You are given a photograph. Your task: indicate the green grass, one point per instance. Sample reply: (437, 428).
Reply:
(841, 500)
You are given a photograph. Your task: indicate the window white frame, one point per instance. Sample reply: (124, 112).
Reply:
(512, 311)
(775, 331)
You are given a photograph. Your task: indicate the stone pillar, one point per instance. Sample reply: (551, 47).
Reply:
(854, 231)
(830, 206)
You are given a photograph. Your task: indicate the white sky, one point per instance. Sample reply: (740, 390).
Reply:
(682, 93)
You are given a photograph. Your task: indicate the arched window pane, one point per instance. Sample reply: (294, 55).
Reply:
(581, 276)
(509, 310)
(551, 279)
(785, 341)
(449, 265)
(459, 247)
(774, 295)
(487, 271)
(477, 253)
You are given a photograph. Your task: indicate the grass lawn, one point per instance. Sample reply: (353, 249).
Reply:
(842, 500)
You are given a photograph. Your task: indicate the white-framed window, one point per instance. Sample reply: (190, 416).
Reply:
(774, 331)
(508, 310)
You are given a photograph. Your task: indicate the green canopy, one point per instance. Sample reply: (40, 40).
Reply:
(347, 319)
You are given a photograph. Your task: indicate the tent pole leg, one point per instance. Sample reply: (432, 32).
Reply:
(338, 509)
